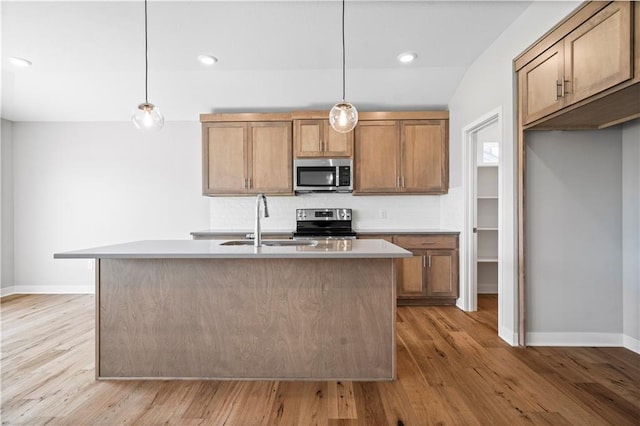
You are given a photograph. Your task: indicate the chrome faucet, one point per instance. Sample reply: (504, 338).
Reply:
(257, 233)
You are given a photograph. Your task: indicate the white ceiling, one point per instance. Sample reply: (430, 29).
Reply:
(88, 56)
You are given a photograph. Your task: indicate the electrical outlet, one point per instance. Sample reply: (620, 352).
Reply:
(383, 213)
(90, 264)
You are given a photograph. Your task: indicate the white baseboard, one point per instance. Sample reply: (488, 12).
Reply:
(631, 343)
(6, 291)
(584, 339)
(48, 289)
(487, 288)
(574, 339)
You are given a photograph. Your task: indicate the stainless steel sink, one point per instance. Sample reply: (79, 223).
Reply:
(238, 243)
(272, 243)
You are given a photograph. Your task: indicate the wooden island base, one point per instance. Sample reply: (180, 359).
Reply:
(288, 319)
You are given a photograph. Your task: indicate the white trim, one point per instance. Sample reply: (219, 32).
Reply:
(7, 291)
(583, 340)
(631, 343)
(48, 289)
(468, 300)
(508, 335)
(487, 288)
(574, 339)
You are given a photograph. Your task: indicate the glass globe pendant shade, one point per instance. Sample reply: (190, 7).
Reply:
(343, 117)
(148, 117)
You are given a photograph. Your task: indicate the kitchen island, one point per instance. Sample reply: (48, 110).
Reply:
(201, 309)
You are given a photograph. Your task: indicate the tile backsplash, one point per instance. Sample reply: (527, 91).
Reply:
(413, 212)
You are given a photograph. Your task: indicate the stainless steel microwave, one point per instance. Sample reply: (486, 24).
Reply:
(323, 175)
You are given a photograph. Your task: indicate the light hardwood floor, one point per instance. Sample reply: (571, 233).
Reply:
(452, 369)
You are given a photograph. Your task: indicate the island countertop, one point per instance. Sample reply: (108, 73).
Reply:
(241, 233)
(214, 249)
(198, 309)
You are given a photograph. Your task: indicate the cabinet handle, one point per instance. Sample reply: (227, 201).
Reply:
(250, 183)
(424, 261)
(244, 183)
(397, 181)
(427, 242)
(429, 261)
(403, 181)
(560, 84)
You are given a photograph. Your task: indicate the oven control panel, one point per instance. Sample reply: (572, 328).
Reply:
(323, 214)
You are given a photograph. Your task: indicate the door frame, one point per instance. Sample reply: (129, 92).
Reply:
(468, 300)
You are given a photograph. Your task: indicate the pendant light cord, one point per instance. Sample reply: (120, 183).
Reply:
(343, 55)
(146, 57)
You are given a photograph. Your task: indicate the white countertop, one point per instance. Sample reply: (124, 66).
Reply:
(203, 249)
(360, 231)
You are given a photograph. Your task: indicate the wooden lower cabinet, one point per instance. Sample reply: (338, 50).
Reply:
(430, 276)
(441, 274)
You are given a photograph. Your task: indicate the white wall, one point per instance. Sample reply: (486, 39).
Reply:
(79, 185)
(6, 211)
(573, 232)
(631, 234)
(487, 86)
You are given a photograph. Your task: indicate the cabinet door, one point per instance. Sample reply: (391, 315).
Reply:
(541, 84)
(270, 158)
(224, 154)
(424, 163)
(441, 273)
(410, 278)
(598, 52)
(316, 138)
(337, 144)
(308, 138)
(376, 157)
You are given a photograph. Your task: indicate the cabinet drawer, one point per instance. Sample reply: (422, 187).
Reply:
(385, 237)
(427, 241)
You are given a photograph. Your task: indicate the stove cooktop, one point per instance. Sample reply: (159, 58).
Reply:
(324, 223)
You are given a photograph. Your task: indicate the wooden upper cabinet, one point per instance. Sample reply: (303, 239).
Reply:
(598, 52)
(636, 40)
(316, 138)
(270, 158)
(594, 55)
(224, 157)
(424, 159)
(244, 158)
(541, 82)
(377, 157)
(401, 156)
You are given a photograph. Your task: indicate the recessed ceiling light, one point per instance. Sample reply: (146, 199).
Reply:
(207, 59)
(19, 62)
(407, 57)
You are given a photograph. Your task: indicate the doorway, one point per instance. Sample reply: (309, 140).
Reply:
(482, 170)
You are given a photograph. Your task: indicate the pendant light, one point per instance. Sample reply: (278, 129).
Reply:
(343, 117)
(148, 116)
